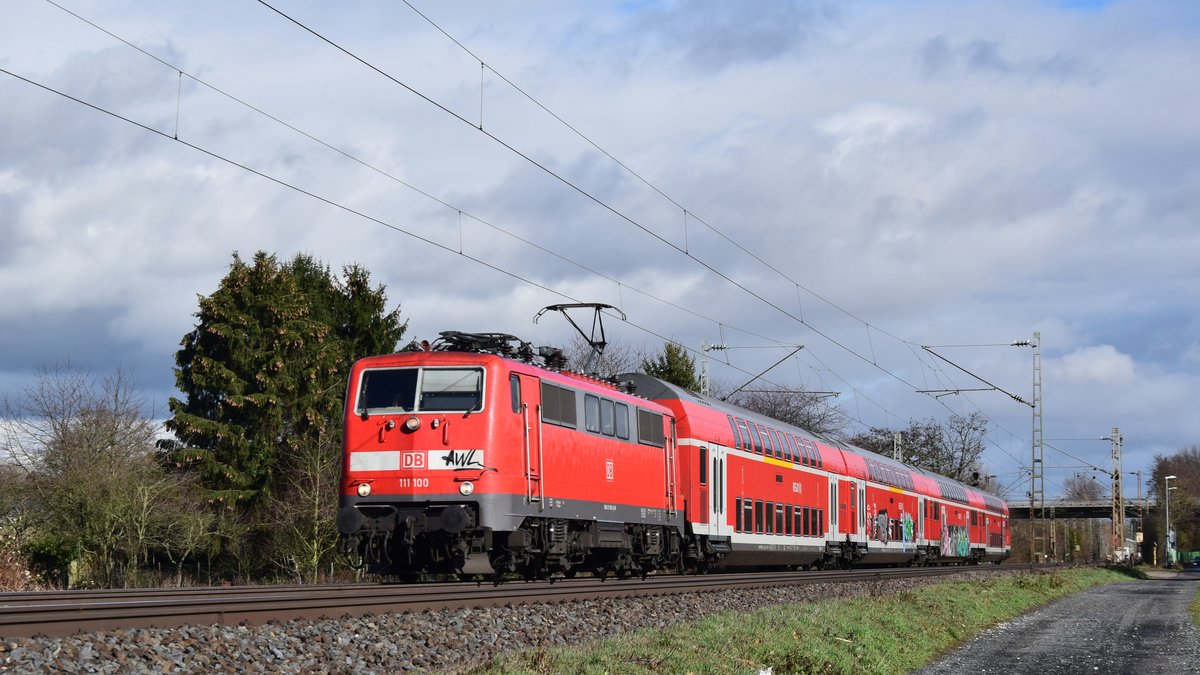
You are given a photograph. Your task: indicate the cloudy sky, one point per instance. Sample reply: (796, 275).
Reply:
(862, 178)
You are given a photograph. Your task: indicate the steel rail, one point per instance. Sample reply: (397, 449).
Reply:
(61, 613)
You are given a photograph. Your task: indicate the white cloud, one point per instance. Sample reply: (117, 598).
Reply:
(1100, 365)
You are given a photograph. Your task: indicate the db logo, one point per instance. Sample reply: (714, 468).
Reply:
(412, 460)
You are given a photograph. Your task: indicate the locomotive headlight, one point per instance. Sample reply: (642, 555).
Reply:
(466, 488)
(412, 424)
(364, 489)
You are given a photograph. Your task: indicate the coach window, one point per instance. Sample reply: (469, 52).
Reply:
(806, 521)
(779, 518)
(770, 517)
(775, 436)
(737, 523)
(622, 421)
(758, 444)
(758, 516)
(768, 446)
(747, 515)
(607, 415)
(591, 413)
(789, 451)
(737, 440)
(703, 465)
(797, 524)
(745, 434)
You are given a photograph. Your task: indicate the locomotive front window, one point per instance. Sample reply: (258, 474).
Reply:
(394, 390)
(451, 389)
(391, 390)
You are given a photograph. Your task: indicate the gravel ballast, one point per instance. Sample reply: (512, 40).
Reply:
(445, 640)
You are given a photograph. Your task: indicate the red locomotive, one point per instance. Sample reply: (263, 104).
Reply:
(478, 456)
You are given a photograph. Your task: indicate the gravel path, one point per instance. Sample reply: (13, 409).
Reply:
(1135, 627)
(448, 640)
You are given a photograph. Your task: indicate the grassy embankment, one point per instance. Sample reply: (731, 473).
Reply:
(882, 634)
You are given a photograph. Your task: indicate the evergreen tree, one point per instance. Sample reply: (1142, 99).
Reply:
(674, 365)
(263, 372)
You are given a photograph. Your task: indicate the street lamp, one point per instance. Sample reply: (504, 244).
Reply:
(1167, 534)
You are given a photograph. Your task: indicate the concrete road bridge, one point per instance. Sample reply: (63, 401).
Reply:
(1061, 508)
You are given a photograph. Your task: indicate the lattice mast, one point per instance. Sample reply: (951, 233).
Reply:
(1118, 495)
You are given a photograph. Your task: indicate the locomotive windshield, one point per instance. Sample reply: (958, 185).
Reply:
(393, 390)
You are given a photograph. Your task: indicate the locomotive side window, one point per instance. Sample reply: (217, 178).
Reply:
(591, 413)
(622, 421)
(514, 389)
(558, 406)
(607, 415)
(650, 428)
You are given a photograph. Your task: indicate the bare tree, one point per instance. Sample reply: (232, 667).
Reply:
(953, 449)
(796, 407)
(617, 358)
(94, 489)
(304, 512)
(1082, 489)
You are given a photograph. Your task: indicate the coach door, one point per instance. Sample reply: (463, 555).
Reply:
(716, 484)
(530, 408)
(921, 513)
(848, 507)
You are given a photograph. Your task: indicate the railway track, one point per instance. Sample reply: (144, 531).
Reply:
(61, 613)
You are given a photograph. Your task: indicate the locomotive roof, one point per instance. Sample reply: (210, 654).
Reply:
(654, 388)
